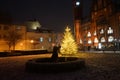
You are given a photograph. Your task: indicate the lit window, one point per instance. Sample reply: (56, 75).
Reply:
(102, 39)
(50, 39)
(18, 27)
(95, 33)
(99, 45)
(102, 31)
(89, 41)
(110, 38)
(110, 31)
(95, 40)
(89, 34)
(41, 39)
(80, 41)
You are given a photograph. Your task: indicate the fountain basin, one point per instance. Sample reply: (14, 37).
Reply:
(63, 64)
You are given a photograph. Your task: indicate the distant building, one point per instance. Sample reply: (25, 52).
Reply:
(102, 28)
(34, 37)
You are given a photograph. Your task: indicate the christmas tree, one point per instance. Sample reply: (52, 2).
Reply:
(68, 45)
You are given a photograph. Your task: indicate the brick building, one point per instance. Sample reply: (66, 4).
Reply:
(102, 28)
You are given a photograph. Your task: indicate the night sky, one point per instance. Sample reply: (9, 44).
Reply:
(52, 14)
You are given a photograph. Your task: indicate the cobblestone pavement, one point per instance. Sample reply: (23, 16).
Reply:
(98, 67)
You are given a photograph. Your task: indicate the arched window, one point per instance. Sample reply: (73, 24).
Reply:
(95, 33)
(80, 41)
(95, 40)
(89, 41)
(102, 39)
(110, 38)
(89, 34)
(41, 39)
(101, 31)
(50, 39)
(110, 30)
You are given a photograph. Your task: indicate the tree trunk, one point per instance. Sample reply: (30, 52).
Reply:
(14, 47)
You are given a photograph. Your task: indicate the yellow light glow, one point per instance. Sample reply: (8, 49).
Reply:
(21, 44)
(80, 41)
(89, 41)
(68, 46)
(96, 40)
(89, 34)
(32, 41)
(95, 33)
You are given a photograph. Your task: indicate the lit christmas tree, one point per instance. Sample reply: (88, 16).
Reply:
(68, 46)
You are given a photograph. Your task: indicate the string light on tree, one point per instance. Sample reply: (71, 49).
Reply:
(68, 46)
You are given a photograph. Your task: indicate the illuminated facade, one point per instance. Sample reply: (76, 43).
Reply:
(35, 39)
(102, 28)
(4, 28)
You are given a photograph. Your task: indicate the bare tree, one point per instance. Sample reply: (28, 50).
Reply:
(12, 37)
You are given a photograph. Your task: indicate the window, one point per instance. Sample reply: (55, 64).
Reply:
(89, 34)
(102, 39)
(110, 38)
(41, 39)
(50, 39)
(95, 40)
(95, 33)
(18, 28)
(110, 30)
(89, 41)
(80, 41)
(101, 31)
(100, 46)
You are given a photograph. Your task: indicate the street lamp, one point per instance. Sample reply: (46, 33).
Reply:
(32, 41)
(21, 44)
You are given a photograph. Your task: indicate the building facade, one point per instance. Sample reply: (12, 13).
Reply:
(102, 28)
(36, 38)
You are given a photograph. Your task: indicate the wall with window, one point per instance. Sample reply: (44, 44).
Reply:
(36, 40)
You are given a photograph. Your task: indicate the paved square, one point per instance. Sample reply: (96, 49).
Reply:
(98, 67)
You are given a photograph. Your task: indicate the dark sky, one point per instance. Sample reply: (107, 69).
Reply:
(52, 14)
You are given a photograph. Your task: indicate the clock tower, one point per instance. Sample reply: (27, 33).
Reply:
(77, 7)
